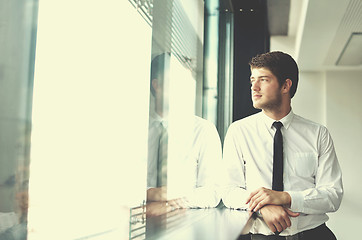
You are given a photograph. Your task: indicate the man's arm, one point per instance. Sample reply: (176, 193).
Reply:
(277, 217)
(234, 184)
(327, 194)
(264, 196)
(209, 156)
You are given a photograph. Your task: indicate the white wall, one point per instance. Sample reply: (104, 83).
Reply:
(309, 100)
(344, 121)
(333, 99)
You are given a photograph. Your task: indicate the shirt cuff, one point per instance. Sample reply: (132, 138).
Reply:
(297, 199)
(236, 198)
(202, 197)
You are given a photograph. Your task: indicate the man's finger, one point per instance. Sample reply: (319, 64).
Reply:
(259, 206)
(288, 222)
(271, 227)
(278, 226)
(285, 224)
(291, 213)
(257, 199)
(252, 194)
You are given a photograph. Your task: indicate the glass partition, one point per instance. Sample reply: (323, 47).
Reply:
(184, 150)
(17, 47)
(90, 119)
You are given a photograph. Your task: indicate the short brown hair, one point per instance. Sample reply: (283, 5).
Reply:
(159, 65)
(281, 65)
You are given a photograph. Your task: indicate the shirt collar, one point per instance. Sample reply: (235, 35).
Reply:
(157, 119)
(285, 120)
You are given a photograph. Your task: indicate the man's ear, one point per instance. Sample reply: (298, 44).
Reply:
(287, 85)
(154, 83)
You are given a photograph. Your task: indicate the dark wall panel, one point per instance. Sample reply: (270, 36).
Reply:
(251, 37)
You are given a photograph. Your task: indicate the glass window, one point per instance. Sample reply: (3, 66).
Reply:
(17, 38)
(184, 150)
(90, 119)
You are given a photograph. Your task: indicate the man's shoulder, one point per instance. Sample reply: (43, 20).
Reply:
(308, 125)
(302, 120)
(246, 122)
(203, 123)
(204, 127)
(249, 119)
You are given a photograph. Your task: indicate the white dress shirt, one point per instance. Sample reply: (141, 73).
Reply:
(312, 175)
(200, 157)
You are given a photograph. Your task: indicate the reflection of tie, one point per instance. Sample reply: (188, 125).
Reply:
(162, 157)
(278, 158)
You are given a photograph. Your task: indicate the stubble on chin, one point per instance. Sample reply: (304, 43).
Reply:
(271, 105)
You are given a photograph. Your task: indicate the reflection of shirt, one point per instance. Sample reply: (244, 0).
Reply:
(156, 124)
(312, 175)
(201, 161)
(206, 153)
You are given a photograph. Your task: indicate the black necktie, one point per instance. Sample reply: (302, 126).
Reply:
(278, 158)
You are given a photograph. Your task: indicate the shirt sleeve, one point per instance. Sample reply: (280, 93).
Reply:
(234, 190)
(327, 194)
(153, 145)
(206, 193)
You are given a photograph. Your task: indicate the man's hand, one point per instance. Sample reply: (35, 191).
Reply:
(277, 217)
(157, 208)
(264, 196)
(157, 194)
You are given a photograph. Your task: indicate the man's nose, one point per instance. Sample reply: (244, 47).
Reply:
(255, 86)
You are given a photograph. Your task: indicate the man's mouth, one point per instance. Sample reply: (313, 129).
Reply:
(257, 96)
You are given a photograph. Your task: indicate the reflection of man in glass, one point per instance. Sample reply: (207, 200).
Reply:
(200, 160)
(158, 136)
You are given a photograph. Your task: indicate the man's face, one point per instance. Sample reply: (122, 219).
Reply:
(265, 89)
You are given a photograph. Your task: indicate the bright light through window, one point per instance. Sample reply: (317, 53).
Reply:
(90, 118)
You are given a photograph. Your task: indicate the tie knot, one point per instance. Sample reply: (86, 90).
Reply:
(278, 125)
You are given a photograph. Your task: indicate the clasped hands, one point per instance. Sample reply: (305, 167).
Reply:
(158, 204)
(274, 207)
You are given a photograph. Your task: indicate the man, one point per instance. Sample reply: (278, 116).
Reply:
(293, 203)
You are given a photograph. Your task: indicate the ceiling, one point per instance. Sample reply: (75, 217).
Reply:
(323, 34)
(319, 34)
